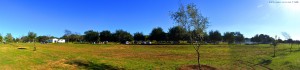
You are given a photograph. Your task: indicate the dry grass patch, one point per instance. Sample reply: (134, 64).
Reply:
(59, 64)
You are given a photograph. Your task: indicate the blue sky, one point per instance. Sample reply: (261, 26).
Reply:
(52, 17)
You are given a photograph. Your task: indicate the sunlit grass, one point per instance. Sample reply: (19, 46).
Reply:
(53, 56)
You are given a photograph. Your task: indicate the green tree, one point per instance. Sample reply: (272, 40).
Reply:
(139, 36)
(289, 39)
(79, 37)
(194, 23)
(239, 38)
(24, 39)
(122, 36)
(261, 38)
(72, 37)
(1, 38)
(42, 38)
(280, 40)
(255, 38)
(67, 35)
(9, 38)
(91, 36)
(176, 33)
(206, 37)
(215, 36)
(275, 42)
(229, 37)
(157, 34)
(76, 37)
(32, 36)
(105, 35)
(17, 40)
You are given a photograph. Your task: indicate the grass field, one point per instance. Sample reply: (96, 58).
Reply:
(145, 57)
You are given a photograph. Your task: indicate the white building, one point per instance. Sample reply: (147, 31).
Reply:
(55, 40)
(249, 42)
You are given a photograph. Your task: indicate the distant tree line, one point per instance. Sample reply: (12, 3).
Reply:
(175, 35)
(262, 38)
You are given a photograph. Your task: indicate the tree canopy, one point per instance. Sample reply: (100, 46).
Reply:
(193, 22)
(105, 35)
(229, 37)
(215, 36)
(1, 38)
(176, 33)
(42, 38)
(139, 36)
(121, 36)
(91, 36)
(9, 38)
(31, 36)
(239, 38)
(157, 34)
(262, 38)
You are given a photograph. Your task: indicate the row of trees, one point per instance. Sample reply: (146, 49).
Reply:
(265, 39)
(95, 36)
(230, 37)
(262, 38)
(9, 38)
(175, 35)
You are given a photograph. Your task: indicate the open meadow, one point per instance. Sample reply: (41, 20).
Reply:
(145, 57)
(149, 35)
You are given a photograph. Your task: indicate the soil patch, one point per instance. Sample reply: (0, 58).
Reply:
(195, 67)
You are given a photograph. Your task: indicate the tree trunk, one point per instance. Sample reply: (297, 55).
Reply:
(291, 47)
(298, 46)
(195, 47)
(34, 48)
(198, 54)
(198, 59)
(274, 51)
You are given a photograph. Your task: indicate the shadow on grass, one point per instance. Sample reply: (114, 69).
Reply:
(265, 61)
(22, 48)
(92, 66)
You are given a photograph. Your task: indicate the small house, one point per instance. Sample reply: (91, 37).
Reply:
(55, 40)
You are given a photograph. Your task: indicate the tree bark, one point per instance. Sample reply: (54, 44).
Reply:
(198, 55)
(274, 51)
(34, 48)
(291, 47)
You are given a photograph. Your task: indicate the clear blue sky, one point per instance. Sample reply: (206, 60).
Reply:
(52, 17)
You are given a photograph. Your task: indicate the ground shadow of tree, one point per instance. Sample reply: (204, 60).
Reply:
(92, 66)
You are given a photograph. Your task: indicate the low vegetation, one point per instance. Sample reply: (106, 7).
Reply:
(91, 56)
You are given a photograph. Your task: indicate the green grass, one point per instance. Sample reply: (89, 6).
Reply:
(55, 56)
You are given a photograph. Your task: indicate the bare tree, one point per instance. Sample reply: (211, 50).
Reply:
(194, 23)
(32, 36)
(289, 39)
(67, 35)
(274, 45)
